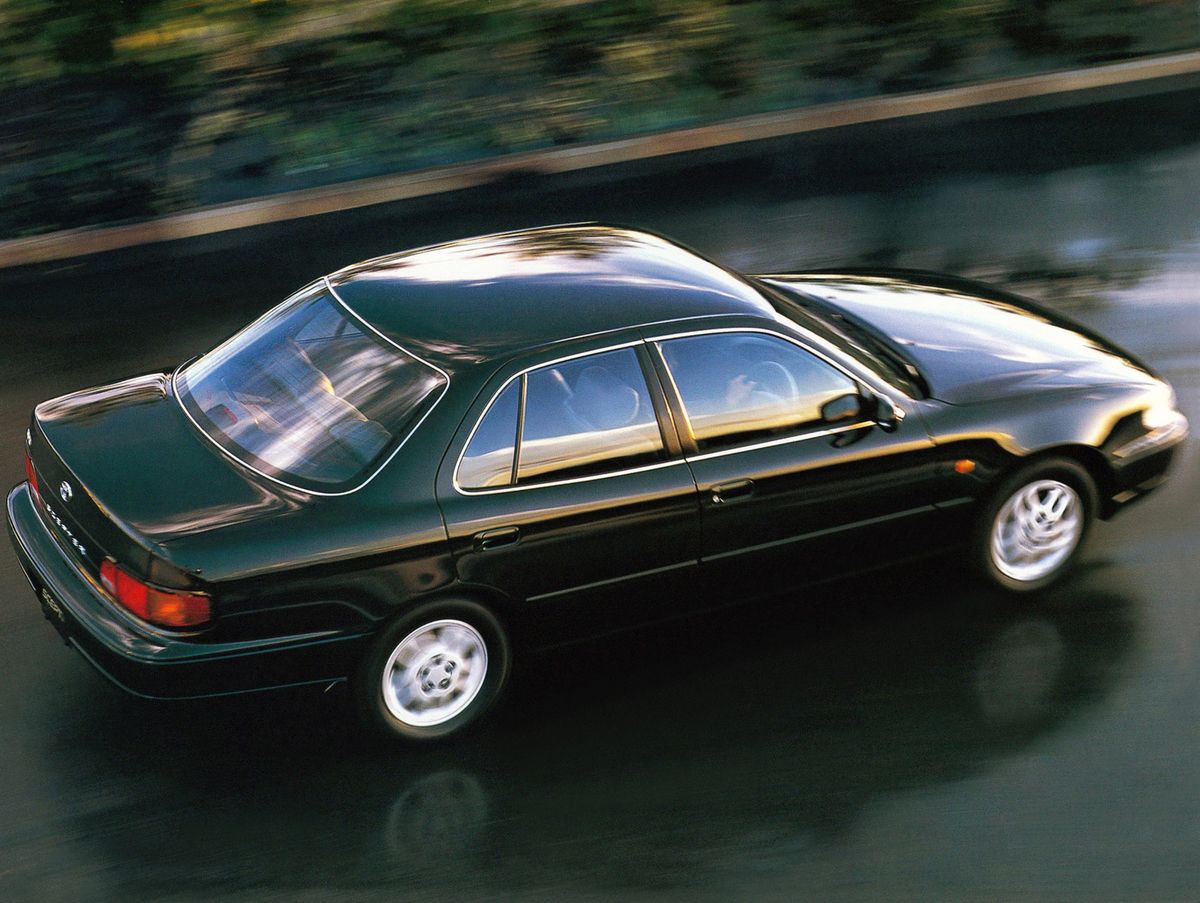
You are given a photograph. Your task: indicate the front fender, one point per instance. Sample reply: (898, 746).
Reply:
(1097, 417)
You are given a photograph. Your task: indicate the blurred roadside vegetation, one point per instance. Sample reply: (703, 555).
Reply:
(113, 110)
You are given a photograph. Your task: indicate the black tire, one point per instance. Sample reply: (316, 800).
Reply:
(389, 717)
(1060, 470)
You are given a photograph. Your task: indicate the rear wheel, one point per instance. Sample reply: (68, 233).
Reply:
(1032, 530)
(433, 671)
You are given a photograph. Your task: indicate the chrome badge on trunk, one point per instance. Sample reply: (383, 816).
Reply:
(51, 605)
(66, 531)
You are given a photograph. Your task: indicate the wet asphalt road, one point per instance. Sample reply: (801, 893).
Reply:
(903, 736)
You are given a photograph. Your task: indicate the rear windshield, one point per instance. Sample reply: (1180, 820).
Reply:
(308, 395)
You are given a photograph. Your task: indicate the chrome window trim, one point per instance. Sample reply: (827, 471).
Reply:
(394, 344)
(583, 336)
(832, 361)
(378, 470)
(461, 490)
(657, 465)
(783, 440)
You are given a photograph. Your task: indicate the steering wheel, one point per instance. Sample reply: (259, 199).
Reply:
(776, 379)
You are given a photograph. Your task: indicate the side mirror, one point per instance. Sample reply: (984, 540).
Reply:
(887, 415)
(844, 409)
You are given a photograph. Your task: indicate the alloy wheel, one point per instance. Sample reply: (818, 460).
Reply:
(1036, 530)
(435, 673)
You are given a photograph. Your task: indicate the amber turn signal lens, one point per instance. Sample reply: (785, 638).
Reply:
(964, 465)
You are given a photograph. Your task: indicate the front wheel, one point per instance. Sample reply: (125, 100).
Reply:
(1032, 530)
(433, 671)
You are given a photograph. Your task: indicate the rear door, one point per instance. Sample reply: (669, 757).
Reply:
(567, 491)
(788, 495)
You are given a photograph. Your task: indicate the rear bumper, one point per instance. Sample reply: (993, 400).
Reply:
(147, 663)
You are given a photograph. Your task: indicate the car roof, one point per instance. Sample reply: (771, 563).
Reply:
(487, 298)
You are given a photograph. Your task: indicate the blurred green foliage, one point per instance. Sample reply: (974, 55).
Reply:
(116, 110)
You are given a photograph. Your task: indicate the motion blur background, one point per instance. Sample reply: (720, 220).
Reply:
(903, 737)
(120, 109)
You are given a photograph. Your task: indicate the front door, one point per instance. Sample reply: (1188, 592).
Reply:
(797, 479)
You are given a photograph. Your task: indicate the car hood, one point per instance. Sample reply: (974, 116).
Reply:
(972, 342)
(142, 466)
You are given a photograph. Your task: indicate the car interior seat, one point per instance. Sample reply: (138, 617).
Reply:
(603, 401)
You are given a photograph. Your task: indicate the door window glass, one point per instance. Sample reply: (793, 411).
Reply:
(741, 387)
(587, 415)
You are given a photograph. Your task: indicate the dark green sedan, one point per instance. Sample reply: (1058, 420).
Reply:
(421, 462)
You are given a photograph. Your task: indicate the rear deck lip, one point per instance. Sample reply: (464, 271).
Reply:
(134, 659)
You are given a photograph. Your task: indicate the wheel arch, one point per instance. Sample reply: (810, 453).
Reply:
(498, 604)
(1092, 460)
(1068, 461)
(371, 679)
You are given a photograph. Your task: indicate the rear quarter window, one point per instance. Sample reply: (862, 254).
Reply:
(488, 460)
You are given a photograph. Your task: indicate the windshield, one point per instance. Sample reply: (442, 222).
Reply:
(308, 395)
(851, 335)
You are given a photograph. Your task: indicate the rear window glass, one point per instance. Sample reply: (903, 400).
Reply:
(309, 395)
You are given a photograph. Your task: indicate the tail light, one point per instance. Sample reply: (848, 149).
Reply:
(158, 606)
(31, 477)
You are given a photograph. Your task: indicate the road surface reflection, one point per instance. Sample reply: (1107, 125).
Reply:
(768, 727)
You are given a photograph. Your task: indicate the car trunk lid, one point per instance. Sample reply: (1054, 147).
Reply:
(121, 471)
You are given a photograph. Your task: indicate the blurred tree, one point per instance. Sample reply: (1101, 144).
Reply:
(112, 109)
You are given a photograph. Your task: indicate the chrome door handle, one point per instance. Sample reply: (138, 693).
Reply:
(495, 539)
(731, 492)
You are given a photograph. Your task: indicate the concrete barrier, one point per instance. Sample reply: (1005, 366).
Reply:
(1062, 87)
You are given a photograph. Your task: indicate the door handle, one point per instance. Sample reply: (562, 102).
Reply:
(731, 492)
(495, 539)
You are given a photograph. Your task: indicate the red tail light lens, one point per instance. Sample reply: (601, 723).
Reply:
(168, 609)
(31, 476)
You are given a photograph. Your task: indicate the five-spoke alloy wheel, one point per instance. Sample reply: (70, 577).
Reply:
(1033, 528)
